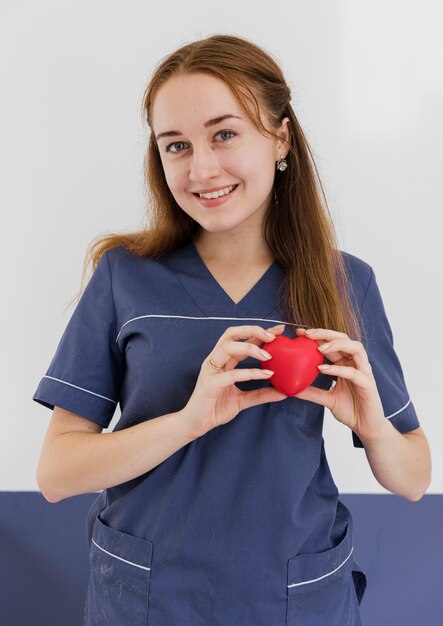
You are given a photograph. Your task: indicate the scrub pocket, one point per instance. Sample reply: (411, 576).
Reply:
(321, 587)
(118, 587)
(307, 416)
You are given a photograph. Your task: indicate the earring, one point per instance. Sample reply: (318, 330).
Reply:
(282, 164)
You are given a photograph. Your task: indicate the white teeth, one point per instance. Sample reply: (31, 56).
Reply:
(217, 194)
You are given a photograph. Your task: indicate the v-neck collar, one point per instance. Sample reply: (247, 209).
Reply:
(210, 296)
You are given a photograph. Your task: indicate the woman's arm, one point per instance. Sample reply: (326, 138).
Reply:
(400, 462)
(77, 457)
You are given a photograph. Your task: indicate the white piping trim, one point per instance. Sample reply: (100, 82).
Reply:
(399, 410)
(188, 317)
(81, 388)
(259, 319)
(314, 580)
(148, 569)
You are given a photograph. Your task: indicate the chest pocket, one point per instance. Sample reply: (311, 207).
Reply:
(307, 416)
(118, 586)
(321, 587)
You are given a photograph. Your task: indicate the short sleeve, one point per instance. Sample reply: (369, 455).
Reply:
(86, 371)
(386, 368)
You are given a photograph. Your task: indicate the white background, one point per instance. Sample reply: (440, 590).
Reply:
(367, 85)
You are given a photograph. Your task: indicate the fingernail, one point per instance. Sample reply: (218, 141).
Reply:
(310, 331)
(265, 354)
(279, 327)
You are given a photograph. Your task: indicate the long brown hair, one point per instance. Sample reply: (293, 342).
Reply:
(298, 229)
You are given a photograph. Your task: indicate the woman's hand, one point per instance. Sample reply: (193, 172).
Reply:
(216, 400)
(354, 401)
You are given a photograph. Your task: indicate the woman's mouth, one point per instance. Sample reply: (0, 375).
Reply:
(217, 197)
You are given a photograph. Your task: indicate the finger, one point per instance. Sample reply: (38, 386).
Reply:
(349, 373)
(339, 346)
(255, 335)
(226, 378)
(260, 396)
(260, 342)
(346, 349)
(240, 350)
(321, 333)
(244, 332)
(274, 330)
(316, 395)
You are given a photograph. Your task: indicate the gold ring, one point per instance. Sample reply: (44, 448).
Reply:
(212, 364)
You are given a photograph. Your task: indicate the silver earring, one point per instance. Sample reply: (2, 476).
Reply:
(282, 164)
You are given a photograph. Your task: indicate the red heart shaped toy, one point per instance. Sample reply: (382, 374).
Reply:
(294, 363)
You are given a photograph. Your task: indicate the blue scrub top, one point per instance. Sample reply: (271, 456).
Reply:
(243, 525)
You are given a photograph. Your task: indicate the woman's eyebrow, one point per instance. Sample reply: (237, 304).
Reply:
(213, 122)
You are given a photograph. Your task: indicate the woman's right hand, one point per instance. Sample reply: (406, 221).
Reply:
(216, 400)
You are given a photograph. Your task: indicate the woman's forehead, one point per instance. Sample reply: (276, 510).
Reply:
(193, 99)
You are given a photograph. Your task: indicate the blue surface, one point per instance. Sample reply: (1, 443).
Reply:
(44, 559)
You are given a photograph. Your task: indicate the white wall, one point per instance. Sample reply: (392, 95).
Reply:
(367, 86)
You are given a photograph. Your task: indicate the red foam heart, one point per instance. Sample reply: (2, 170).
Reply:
(294, 363)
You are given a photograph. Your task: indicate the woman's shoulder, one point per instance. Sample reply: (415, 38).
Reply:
(357, 267)
(121, 255)
(128, 268)
(360, 273)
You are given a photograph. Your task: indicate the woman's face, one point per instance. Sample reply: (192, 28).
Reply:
(202, 153)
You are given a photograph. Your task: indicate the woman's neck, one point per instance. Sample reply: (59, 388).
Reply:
(232, 251)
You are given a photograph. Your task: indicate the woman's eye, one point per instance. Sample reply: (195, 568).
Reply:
(177, 146)
(171, 145)
(226, 132)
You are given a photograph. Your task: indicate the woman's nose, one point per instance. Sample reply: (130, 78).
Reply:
(204, 164)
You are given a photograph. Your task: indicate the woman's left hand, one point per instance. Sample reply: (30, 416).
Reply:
(354, 400)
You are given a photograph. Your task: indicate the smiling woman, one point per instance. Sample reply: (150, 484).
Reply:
(218, 505)
(209, 157)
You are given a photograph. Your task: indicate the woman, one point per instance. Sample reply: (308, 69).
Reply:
(218, 506)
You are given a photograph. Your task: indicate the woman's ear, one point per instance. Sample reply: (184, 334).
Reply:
(284, 133)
